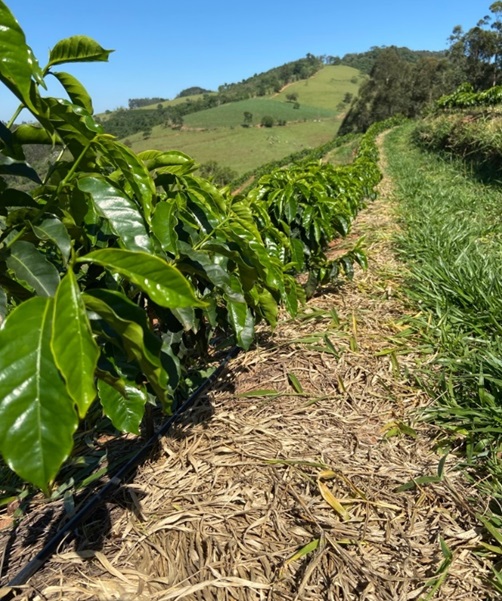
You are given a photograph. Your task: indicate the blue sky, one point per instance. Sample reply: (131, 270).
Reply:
(162, 46)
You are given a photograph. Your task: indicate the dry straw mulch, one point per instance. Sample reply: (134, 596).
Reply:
(246, 482)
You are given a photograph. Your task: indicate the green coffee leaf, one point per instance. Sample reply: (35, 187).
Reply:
(122, 214)
(75, 351)
(133, 171)
(53, 229)
(129, 322)
(10, 166)
(173, 160)
(164, 222)
(125, 412)
(37, 415)
(164, 284)
(76, 49)
(17, 66)
(75, 90)
(31, 266)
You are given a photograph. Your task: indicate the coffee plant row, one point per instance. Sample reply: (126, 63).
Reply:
(465, 97)
(117, 269)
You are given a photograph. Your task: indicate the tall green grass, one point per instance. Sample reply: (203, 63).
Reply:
(452, 247)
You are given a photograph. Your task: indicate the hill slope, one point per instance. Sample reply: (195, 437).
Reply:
(216, 134)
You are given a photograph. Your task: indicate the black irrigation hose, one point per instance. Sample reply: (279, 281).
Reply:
(42, 556)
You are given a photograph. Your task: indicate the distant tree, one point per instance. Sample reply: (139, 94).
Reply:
(292, 97)
(267, 121)
(296, 105)
(193, 91)
(136, 103)
(177, 121)
(347, 99)
(248, 119)
(219, 174)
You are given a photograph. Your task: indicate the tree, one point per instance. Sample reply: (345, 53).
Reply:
(248, 119)
(477, 53)
(267, 121)
(293, 97)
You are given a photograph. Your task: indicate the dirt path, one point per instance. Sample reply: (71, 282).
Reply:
(247, 480)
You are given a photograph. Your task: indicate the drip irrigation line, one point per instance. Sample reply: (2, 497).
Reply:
(119, 477)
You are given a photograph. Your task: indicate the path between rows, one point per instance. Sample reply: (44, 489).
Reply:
(245, 482)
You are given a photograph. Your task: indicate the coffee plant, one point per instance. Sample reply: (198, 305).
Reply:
(117, 269)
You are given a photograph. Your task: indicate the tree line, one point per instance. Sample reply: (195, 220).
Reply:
(399, 84)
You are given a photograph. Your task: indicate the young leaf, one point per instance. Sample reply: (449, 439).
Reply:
(37, 416)
(165, 285)
(75, 351)
(75, 49)
(121, 212)
(125, 412)
(30, 266)
(176, 162)
(75, 90)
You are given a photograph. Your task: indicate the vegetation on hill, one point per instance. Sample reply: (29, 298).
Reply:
(365, 61)
(192, 91)
(398, 85)
(123, 123)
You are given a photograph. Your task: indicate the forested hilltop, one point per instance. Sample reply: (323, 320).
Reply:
(400, 85)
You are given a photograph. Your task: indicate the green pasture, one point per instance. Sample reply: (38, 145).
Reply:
(232, 114)
(327, 88)
(241, 149)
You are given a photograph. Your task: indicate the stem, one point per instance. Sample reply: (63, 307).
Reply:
(15, 116)
(207, 237)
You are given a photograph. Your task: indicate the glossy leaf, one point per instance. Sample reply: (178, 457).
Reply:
(121, 212)
(53, 229)
(37, 416)
(74, 125)
(125, 412)
(179, 162)
(163, 283)
(129, 322)
(30, 266)
(240, 317)
(75, 90)
(16, 65)
(133, 171)
(164, 224)
(75, 351)
(32, 134)
(76, 49)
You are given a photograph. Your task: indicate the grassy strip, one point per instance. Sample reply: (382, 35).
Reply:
(452, 245)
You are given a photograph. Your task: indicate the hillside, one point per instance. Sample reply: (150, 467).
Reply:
(217, 134)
